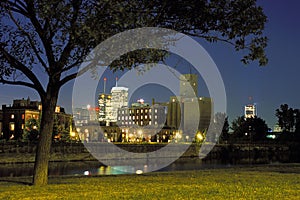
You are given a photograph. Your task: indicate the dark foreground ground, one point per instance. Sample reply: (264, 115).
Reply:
(280, 181)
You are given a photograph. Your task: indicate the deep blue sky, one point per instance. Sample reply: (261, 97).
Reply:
(269, 86)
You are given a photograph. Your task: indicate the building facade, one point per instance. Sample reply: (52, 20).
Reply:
(15, 118)
(105, 108)
(188, 86)
(250, 111)
(119, 99)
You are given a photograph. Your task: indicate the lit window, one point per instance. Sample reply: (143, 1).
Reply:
(133, 117)
(137, 111)
(12, 116)
(150, 110)
(149, 122)
(155, 110)
(146, 111)
(142, 117)
(142, 111)
(155, 122)
(146, 117)
(126, 118)
(155, 116)
(141, 122)
(23, 125)
(12, 126)
(23, 116)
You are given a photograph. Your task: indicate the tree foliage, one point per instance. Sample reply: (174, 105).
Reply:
(249, 128)
(288, 118)
(43, 42)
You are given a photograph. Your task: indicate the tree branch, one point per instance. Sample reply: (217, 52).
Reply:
(21, 83)
(27, 72)
(31, 43)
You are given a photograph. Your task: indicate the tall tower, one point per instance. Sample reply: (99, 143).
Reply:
(104, 102)
(188, 86)
(119, 99)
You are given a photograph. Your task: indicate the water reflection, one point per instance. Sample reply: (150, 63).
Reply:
(96, 168)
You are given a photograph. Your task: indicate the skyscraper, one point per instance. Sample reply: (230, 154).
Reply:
(119, 99)
(105, 109)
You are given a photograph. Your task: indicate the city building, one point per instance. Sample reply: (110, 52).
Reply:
(16, 116)
(119, 99)
(181, 113)
(141, 121)
(105, 109)
(250, 111)
(188, 86)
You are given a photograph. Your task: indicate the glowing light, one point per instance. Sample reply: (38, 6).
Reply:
(139, 171)
(86, 173)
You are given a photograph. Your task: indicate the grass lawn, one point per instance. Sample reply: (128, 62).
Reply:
(281, 182)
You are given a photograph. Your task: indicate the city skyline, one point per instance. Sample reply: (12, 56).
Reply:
(268, 86)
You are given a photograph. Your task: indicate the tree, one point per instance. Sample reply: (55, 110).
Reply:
(31, 131)
(250, 128)
(286, 118)
(42, 43)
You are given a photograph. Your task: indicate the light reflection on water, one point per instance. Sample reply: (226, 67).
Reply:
(96, 168)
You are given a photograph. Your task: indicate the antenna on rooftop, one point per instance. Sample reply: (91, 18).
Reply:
(104, 85)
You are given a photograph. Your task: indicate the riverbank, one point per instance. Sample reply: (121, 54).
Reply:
(226, 153)
(263, 182)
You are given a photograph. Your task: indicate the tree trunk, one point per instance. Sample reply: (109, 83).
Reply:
(40, 175)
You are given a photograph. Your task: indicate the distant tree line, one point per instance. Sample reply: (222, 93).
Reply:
(256, 130)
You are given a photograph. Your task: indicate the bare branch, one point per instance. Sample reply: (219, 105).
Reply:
(21, 83)
(31, 43)
(27, 72)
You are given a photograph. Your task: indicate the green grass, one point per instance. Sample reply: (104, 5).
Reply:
(234, 183)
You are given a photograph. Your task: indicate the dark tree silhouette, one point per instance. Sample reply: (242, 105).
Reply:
(42, 42)
(250, 128)
(286, 118)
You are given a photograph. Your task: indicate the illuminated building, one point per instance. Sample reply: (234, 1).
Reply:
(250, 111)
(119, 99)
(14, 117)
(105, 108)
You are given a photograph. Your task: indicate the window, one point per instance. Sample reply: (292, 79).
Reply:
(142, 111)
(155, 110)
(12, 116)
(146, 116)
(23, 116)
(12, 126)
(23, 126)
(141, 123)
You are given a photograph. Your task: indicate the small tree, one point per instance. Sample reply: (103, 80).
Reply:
(286, 118)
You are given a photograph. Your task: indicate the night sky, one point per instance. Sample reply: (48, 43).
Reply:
(268, 86)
